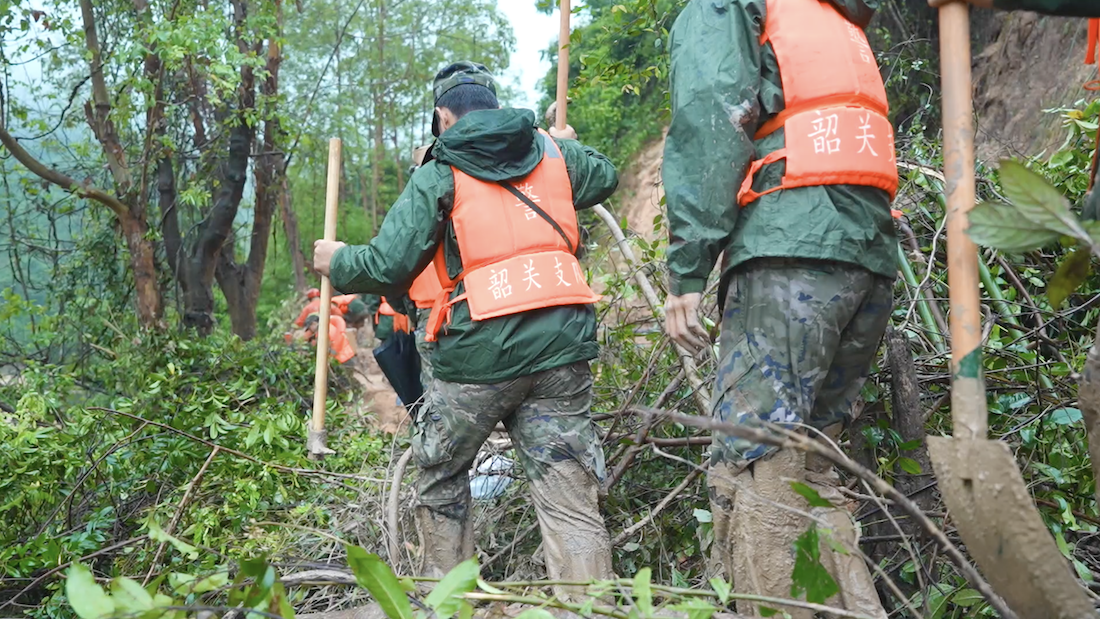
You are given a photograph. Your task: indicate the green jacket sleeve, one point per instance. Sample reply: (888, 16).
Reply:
(715, 79)
(1066, 8)
(405, 244)
(592, 175)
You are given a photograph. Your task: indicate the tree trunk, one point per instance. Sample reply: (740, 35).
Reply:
(293, 238)
(908, 420)
(240, 283)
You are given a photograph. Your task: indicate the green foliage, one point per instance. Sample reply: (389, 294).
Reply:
(375, 576)
(809, 576)
(80, 477)
(619, 72)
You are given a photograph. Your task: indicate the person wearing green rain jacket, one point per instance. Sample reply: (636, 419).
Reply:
(528, 369)
(806, 275)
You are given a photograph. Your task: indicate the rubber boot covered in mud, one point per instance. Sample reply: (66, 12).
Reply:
(759, 517)
(574, 538)
(445, 540)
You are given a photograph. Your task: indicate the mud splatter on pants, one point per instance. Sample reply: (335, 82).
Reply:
(798, 338)
(548, 418)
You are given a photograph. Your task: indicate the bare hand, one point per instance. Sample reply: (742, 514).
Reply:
(322, 255)
(682, 321)
(563, 134)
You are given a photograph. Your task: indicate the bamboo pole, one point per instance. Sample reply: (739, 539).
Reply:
(315, 443)
(563, 66)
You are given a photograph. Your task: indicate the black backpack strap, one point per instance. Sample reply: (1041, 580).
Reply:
(541, 213)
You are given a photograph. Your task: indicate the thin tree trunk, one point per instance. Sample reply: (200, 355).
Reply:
(293, 238)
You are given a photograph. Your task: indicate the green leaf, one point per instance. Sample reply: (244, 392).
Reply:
(643, 592)
(967, 598)
(375, 576)
(766, 611)
(446, 597)
(1065, 416)
(129, 596)
(536, 613)
(994, 225)
(1038, 201)
(87, 598)
(703, 516)
(722, 588)
(909, 465)
(158, 534)
(811, 495)
(809, 576)
(696, 608)
(1073, 272)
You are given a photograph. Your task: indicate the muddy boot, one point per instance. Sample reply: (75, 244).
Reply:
(722, 489)
(574, 538)
(445, 541)
(857, 587)
(763, 533)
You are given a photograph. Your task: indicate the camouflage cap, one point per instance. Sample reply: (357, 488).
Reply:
(462, 72)
(457, 74)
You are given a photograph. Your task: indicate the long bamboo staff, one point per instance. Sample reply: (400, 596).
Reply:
(315, 443)
(563, 65)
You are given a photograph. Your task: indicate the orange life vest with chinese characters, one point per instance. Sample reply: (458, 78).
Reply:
(400, 321)
(425, 288)
(835, 107)
(513, 260)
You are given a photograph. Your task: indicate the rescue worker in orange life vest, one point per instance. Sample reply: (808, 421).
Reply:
(515, 328)
(780, 158)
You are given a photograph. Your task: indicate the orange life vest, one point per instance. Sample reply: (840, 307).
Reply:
(338, 344)
(314, 307)
(835, 107)
(400, 321)
(1090, 52)
(425, 288)
(513, 260)
(343, 302)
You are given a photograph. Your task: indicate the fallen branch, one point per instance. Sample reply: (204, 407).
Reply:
(393, 505)
(671, 496)
(171, 528)
(686, 360)
(782, 438)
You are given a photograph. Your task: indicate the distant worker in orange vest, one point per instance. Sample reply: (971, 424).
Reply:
(345, 310)
(780, 158)
(494, 209)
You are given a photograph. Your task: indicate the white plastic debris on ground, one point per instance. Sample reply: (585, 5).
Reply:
(492, 479)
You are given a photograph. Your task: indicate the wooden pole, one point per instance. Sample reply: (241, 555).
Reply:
(563, 65)
(968, 405)
(315, 443)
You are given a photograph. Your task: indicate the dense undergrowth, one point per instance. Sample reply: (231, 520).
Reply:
(179, 462)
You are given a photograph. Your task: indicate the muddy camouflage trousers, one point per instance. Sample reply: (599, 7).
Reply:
(798, 338)
(549, 421)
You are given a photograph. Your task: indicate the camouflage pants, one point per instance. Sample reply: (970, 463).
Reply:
(798, 338)
(548, 418)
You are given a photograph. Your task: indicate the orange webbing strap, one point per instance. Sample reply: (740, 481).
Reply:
(747, 196)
